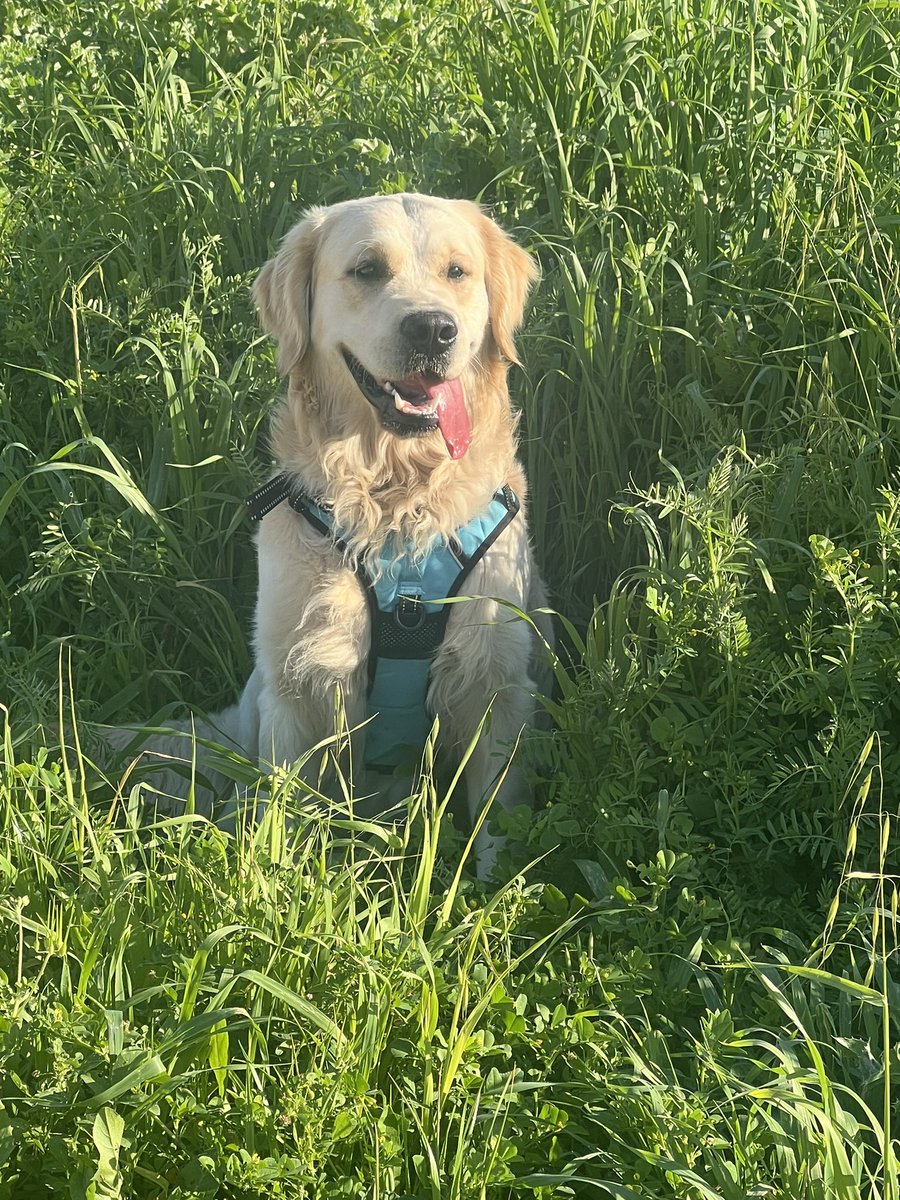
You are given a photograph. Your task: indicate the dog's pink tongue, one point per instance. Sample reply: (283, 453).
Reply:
(453, 419)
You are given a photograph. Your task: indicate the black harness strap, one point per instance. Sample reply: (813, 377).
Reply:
(267, 497)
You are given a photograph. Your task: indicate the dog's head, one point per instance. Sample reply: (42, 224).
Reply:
(396, 301)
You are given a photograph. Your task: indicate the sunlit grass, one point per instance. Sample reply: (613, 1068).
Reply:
(691, 989)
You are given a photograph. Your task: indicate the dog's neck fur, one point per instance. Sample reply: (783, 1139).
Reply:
(384, 488)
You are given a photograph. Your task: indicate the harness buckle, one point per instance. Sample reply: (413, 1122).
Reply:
(409, 611)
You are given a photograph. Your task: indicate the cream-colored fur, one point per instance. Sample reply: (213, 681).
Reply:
(312, 624)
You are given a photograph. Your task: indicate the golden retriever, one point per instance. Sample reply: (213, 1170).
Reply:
(394, 319)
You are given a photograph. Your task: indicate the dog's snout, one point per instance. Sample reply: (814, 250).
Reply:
(431, 331)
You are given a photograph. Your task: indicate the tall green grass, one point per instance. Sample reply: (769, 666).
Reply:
(692, 990)
(324, 1007)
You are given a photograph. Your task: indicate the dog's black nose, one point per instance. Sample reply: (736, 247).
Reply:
(432, 331)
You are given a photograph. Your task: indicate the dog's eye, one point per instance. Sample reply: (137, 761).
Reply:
(455, 271)
(372, 268)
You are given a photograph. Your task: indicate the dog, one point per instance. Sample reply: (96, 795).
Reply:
(394, 318)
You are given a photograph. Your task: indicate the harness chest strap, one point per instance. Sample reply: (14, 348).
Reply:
(407, 626)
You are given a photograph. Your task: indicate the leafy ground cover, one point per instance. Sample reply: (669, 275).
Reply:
(689, 988)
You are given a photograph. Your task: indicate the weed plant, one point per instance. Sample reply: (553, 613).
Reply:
(689, 986)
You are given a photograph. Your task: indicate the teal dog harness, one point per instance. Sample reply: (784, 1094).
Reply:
(407, 624)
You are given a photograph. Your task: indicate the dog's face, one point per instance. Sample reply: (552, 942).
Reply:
(396, 301)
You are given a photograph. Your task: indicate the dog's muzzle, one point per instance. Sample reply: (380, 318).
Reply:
(419, 403)
(405, 407)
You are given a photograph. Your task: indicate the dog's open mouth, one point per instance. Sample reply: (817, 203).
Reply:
(417, 405)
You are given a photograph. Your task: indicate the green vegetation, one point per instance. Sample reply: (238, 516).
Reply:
(691, 989)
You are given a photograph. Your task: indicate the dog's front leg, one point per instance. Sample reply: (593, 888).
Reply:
(312, 639)
(491, 769)
(328, 715)
(483, 665)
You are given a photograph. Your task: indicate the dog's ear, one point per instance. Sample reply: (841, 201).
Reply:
(283, 290)
(510, 273)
